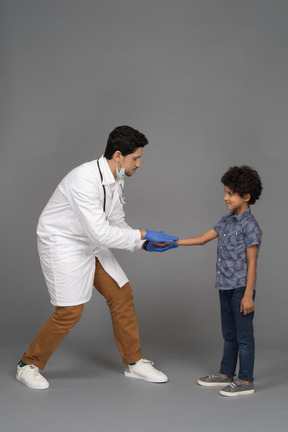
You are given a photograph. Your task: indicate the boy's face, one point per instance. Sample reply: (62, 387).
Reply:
(235, 202)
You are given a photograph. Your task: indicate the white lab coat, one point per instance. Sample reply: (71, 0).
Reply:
(73, 230)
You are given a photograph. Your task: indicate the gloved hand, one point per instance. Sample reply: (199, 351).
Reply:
(151, 247)
(159, 237)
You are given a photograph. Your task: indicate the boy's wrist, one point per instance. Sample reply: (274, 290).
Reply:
(248, 294)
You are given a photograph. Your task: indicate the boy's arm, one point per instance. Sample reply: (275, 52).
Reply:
(200, 240)
(247, 304)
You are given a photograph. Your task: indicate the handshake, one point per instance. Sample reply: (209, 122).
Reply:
(157, 241)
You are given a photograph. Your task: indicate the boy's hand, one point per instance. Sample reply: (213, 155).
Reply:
(159, 247)
(247, 305)
(163, 244)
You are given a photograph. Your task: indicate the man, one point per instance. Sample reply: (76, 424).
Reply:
(82, 220)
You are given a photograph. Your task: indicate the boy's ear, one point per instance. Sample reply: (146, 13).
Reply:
(247, 197)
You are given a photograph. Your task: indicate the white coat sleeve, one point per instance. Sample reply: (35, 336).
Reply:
(83, 195)
(119, 221)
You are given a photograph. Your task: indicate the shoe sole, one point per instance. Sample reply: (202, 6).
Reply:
(33, 388)
(213, 384)
(131, 375)
(242, 393)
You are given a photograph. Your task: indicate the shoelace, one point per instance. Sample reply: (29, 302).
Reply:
(146, 362)
(34, 370)
(31, 368)
(149, 364)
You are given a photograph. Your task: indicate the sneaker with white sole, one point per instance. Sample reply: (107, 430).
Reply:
(144, 369)
(237, 388)
(214, 380)
(30, 376)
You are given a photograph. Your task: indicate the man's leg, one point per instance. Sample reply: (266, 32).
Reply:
(49, 337)
(123, 315)
(125, 326)
(51, 334)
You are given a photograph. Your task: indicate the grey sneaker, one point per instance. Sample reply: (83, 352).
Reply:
(214, 380)
(237, 388)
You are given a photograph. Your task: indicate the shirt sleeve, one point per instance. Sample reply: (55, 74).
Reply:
(218, 226)
(252, 234)
(120, 222)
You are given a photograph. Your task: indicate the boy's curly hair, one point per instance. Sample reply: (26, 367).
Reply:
(243, 180)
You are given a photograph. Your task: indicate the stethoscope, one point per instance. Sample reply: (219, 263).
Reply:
(104, 190)
(122, 198)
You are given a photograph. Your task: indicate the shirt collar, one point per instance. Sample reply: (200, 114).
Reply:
(241, 216)
(108, 177)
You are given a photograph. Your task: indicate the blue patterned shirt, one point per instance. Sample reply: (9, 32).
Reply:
(235, 235)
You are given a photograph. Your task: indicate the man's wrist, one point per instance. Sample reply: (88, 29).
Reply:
(144, 245)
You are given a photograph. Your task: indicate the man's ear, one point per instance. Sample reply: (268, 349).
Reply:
(117, 156)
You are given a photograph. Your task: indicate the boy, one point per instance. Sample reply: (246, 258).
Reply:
(239, 240)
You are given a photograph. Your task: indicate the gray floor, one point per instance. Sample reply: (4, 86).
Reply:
(88, 391)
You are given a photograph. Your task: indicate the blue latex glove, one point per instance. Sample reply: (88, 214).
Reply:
(159, 237)
(151, 247)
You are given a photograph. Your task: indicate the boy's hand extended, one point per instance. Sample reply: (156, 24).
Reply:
(247, 305)
(160, 247)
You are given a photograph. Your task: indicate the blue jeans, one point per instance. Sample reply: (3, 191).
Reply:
(237, 330)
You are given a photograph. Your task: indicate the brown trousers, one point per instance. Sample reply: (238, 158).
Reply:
(124, 320)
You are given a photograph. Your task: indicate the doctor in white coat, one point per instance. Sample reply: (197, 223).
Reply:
(82, 220)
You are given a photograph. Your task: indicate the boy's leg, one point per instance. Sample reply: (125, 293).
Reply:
(230, 349)
(51, 334)
(245, 338)
(122, 310)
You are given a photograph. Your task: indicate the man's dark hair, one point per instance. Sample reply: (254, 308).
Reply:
(243, 180)
(125, 139)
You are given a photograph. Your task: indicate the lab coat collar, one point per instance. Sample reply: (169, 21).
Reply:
(108, 178)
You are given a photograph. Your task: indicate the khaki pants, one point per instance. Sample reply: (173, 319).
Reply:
(124, 320)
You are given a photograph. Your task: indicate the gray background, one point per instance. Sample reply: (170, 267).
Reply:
(206, 82)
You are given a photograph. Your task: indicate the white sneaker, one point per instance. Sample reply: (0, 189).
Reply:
(31, 377)
(144, 369)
